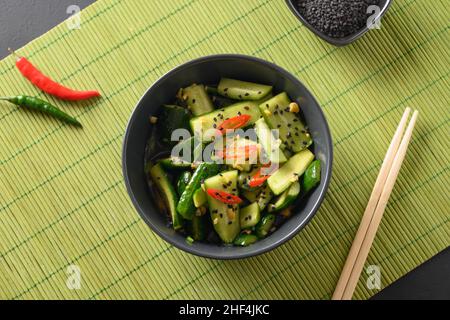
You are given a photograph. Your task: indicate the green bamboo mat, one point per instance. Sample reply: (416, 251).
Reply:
(62, 196)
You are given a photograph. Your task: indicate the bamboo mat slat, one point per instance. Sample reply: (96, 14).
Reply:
(62, 196)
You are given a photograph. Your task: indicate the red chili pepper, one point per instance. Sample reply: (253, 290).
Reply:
(240, 152)
(46, 84)
(234, 123)
(258, 179)
(224, 197)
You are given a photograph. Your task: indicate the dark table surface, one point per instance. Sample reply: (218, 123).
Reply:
(24, 20)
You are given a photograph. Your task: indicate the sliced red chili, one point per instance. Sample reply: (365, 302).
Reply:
(234, 123)
(224, 197)
(258, 179)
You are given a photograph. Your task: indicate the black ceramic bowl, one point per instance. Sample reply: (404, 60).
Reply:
(339, 42)
(209, 70)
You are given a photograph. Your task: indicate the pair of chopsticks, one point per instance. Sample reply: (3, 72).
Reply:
(375, 208)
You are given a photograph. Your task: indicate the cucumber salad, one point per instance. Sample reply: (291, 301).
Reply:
(227, 163)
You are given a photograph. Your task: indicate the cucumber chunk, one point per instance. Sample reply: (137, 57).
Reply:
(244, 180)
(251, 195)
(167, 192)
(270, 145)
(286, 199)
(263, 228)
(183, 181)
(292, 131)
(198, 100)
(290, 172)
(311, 177)
(170, 119)
(250, 216)
(200, 198)
(225, 217)
(186, 207)
(262, 196)
(174, 163)
(265, 196)
(221, 102)
(203, 126)
(198, 228)
(245, 240)
(241, 90)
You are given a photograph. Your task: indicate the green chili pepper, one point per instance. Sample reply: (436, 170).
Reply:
(36, 104)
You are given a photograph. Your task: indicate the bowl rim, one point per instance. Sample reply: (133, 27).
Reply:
(235, 256)
(339, 42)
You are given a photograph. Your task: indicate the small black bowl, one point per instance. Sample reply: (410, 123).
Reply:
(209, 70)
(339, 42)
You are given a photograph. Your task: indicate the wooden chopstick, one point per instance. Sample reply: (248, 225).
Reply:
(375, 209)
(379, 211)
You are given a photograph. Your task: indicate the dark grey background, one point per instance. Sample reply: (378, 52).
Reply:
(24, 20)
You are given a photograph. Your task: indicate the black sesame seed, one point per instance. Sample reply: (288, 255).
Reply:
(193, 100)
(336, 18)
(247, 108)
(230, 222)
(247, 94)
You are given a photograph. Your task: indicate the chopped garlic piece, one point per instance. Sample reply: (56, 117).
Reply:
(153, 120)
(293, 107)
